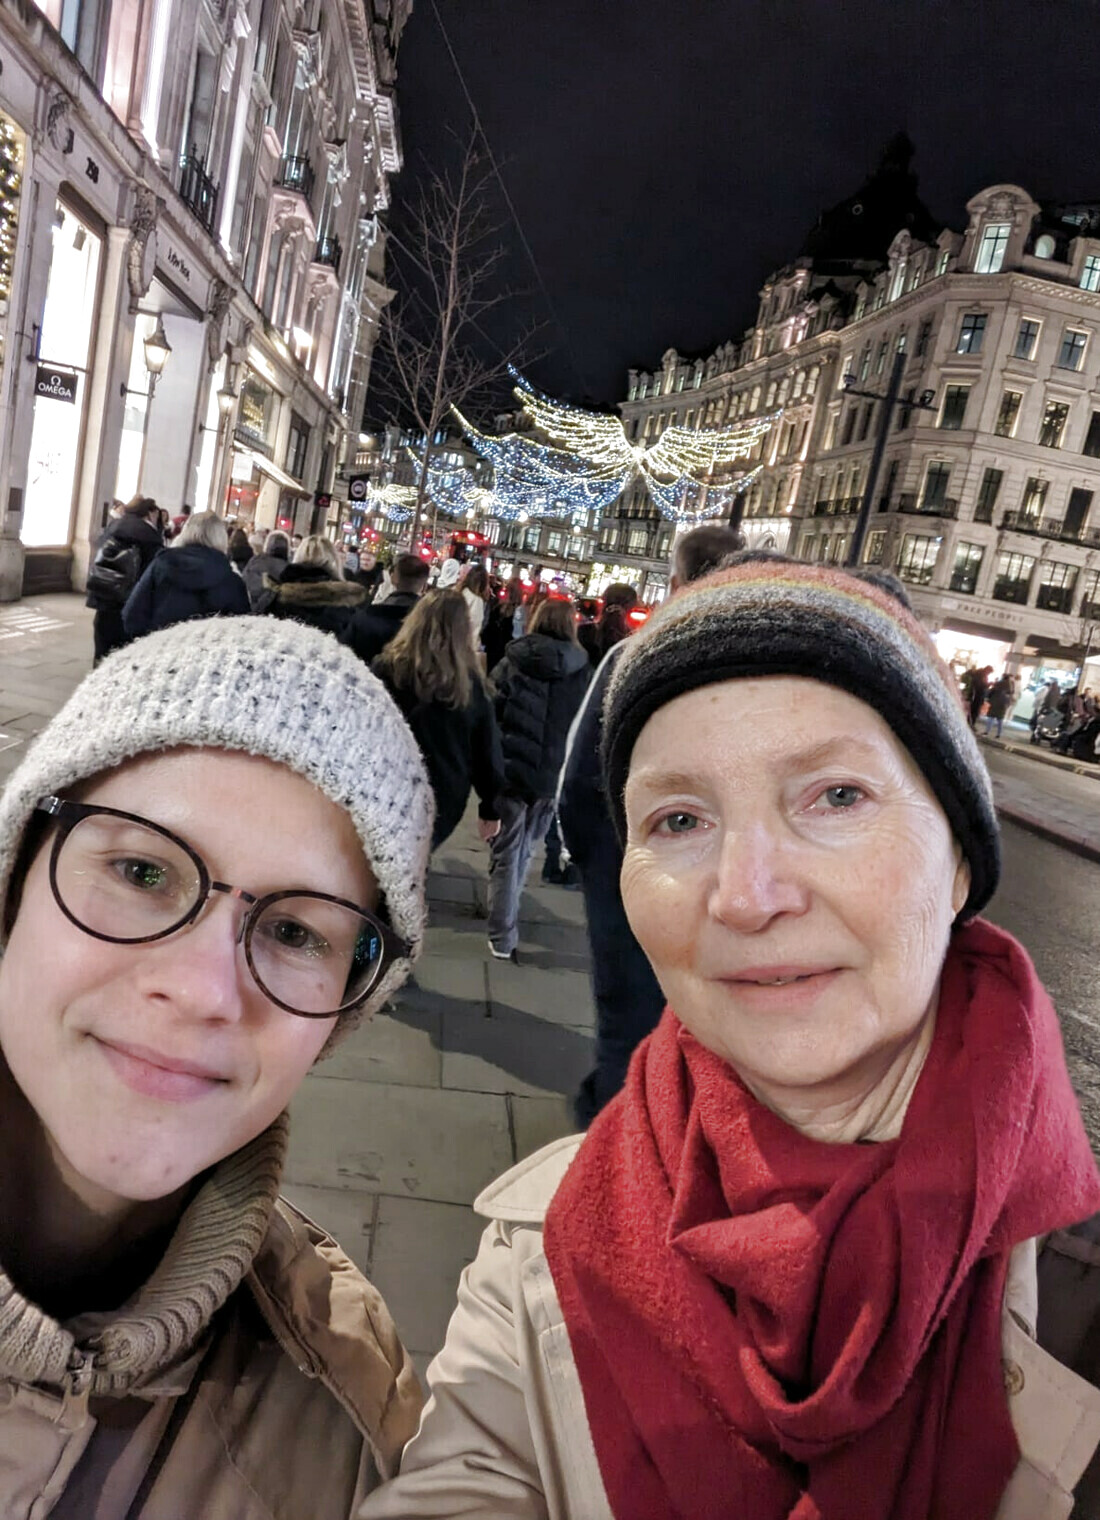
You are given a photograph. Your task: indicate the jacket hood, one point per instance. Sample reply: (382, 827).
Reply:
(194, 566)
(546, 659)
(296, 591)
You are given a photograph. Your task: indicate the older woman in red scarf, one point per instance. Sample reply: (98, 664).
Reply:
(823, 1259)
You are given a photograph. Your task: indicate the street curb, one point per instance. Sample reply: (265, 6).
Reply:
(1033, 752)
(1069, 842)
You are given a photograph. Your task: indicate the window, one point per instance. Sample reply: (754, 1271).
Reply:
(918, 557)
(1054, 424)
(968, 564)
(1090, 602)
(991, 249)
(865, 362)
(935, 486)
(1090, 272)
(1078, 505)
(865, 421)
(531, 540)
(829, 441)
(849, 425)
(555, 543)
(1072, 350)
(943, 261)
(876, 547)
(809, 543)
(297, 442)
(1035, 495)
(880, 357)
(1057, 583)
(971, 333)
(839, 549)
(1027, 336)
(1013, 578)
(924, 332)
(1008, 413)
(637, 541)
(1091, 445)
(988, 492)
(889, 484)
(954, 406)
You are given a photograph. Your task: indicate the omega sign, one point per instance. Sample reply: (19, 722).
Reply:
(56, 384)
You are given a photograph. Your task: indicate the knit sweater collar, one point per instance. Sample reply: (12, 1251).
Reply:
(212, 1249)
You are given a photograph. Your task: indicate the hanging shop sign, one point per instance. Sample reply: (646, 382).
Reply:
(357, 487)
(323, 500)
(56, 384)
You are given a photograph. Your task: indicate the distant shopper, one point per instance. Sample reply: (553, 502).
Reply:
(312, 590)
(194, 579)
(975, 691)
(375, 624)
(128, 547)
(475, 593)
(240, 550)
(613, 624)
(179, 520)
(537, 687)
(627, 997)
(1001, 697)
(450, 573)
(431, 670)
(265, 569)
(504, 622)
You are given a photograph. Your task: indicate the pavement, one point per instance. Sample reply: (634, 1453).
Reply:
(470, 1068)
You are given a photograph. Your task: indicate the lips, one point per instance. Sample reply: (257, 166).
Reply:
(779, 976)
(156, 1075)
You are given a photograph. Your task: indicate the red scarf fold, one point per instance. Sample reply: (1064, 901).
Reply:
(769, 1326)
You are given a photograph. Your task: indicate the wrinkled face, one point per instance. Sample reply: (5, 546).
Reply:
(146, 1064)
(791, 878)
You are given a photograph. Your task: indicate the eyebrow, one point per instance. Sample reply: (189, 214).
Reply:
(842, 746)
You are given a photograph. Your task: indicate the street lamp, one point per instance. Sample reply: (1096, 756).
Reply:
(157, 350)
(925, 402)
(227, 399)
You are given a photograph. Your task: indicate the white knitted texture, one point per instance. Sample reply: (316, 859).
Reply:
(264, 687)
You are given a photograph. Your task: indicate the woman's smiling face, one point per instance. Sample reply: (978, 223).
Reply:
(792, 879)
(146, 1064)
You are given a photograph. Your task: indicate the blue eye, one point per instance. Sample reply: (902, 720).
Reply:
(680, 823)
(841, 797)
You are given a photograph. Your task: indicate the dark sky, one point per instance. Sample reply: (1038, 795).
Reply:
(664, 155)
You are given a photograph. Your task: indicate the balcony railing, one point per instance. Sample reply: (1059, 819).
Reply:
(296, 174)
(839, 506)
(1040, 527)
(328, 252)
(198, 189)
(912, 505)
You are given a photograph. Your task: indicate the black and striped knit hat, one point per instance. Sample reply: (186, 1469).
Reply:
(769, 616)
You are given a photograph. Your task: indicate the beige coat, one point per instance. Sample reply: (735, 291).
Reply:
(256, 1375)
(505, 1436)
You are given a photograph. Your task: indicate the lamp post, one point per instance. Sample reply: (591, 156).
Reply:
(158, 350)
(889, 401)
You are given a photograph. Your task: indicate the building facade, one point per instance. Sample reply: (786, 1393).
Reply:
(191, 259)
(985, 504)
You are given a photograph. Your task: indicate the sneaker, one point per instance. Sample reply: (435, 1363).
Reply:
(502, 955)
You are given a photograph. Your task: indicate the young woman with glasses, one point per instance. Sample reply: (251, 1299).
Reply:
(174, 1338)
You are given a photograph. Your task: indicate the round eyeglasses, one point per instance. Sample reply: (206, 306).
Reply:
(128, 881)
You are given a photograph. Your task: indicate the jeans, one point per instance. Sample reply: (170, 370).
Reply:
(989, 722)
(522, 825)
(627, 997)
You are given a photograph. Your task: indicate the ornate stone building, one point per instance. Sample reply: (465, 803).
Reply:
(191, 259)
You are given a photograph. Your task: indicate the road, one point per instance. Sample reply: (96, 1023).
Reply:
(1050, 900)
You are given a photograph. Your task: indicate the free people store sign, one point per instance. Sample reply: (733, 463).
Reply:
(55, 384)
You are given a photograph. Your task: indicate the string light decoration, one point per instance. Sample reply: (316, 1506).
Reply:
(11, 187)
(396, 503)
(687, 500)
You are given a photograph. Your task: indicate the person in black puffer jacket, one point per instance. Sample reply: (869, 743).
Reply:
(313, 590)
(376, 623)
(271, 563)
(194, 579)
(538, 687)
(138, 528)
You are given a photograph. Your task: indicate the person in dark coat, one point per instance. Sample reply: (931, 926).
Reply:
(271, 563)
(431, 671)
(376, 623)
(538, 687)
(624, 989)
(501, 625)
(313, 590)
(613, 625)
(137, 527)
(240, 550)
(193, 580)
(1001, 697)
(975, 690)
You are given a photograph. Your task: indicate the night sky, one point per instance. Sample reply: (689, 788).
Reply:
(665, 155)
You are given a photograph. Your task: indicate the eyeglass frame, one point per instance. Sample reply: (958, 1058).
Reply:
(66, 815)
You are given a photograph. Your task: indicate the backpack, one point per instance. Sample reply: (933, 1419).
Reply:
(115, 571)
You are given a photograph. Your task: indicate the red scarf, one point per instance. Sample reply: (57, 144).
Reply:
(768, 1326)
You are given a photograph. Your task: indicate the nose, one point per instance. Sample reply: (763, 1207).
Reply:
(201, 970)
(757, 880)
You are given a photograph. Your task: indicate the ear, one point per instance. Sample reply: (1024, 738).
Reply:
(960, 887)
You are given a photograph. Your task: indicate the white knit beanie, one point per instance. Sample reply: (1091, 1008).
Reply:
(263, 686)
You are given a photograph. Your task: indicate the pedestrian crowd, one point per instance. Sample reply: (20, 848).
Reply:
(828, 1243)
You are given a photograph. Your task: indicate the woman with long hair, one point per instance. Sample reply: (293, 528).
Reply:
(312, 589)
(538, 687)
(431, 670)
(504, 623)
(475, 593)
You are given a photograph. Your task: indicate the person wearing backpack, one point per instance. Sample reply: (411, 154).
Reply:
(128, 547)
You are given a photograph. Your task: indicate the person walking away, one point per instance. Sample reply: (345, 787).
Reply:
(501, 625)
(240, 550)
(179, 520)
(130, 543)
(375, 623)
(312, 590)
(975, 690)
(537, 689)
(613, 624)
(265, 569)
(624, 989)
(431, 671)
(475, 593)
(1001, 697)
(194, 579)
(176, 1339)
(1046, 701)
(450, 573)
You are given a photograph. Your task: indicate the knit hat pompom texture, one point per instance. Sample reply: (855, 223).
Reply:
(266, 687)
(781, 618)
